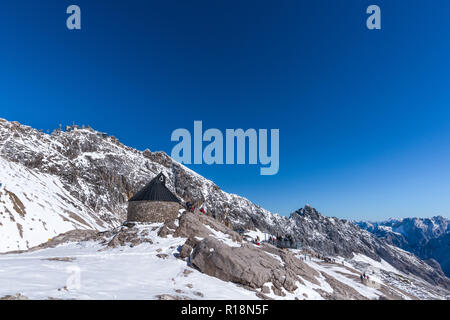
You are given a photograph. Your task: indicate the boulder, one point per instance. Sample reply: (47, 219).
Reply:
(193, 225)
(126, 236)
(185, 251)
(245, 265)
(18, 296)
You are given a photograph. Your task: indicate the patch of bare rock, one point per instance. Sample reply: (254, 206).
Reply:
(251, 266)
(61, 259)
(17, 296)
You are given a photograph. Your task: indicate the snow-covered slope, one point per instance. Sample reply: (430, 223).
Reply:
(428, 238)
(78, 270)
(35, 206)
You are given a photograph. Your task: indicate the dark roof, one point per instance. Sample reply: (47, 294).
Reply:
(155, 190)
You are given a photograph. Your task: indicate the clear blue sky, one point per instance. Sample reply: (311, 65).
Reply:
(363, 115)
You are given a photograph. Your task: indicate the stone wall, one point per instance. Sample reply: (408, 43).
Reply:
(152, 211)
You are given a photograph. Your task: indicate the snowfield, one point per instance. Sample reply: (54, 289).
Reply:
(119, 273)
(35, 207)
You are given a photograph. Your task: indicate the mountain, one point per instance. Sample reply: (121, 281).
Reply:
(428, 238)
(79, 180)
(91, 176)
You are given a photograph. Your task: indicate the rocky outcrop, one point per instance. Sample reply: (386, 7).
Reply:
(193, 225)
(121, 236)
(70, 236)
(243, 265)
(14, 297)
(186, 249)
(128, 236)
(251, 266)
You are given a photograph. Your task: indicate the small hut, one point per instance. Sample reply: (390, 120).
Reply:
(154, 203)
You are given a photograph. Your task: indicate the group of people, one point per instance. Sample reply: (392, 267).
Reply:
(364, 277)
(305, 257)
(190, 207)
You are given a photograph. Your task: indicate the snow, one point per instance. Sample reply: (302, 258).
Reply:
(309, 289)
(35, 207)
(257, 233)
(223, 237)
(335, 272)
(375, 264)
(121, 273)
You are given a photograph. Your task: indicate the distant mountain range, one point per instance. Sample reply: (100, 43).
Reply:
(427, 238)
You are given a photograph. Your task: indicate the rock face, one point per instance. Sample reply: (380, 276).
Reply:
(251, 266)
(185, 251)
(126, 236)
(232, 264)
(256, 267)
(152, 211)
(193, 225)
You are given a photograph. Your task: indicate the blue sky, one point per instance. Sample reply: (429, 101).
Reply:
(363, 115)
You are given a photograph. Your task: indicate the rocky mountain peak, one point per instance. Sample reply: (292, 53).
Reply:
(308, 211)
